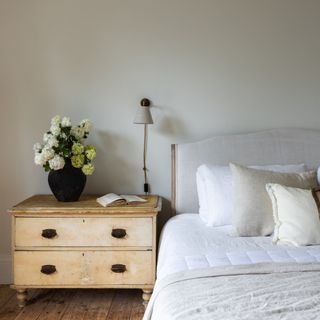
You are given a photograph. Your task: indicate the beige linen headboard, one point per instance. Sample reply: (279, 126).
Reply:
(276, 146)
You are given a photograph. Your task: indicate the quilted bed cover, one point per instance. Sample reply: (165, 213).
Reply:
(204, 273)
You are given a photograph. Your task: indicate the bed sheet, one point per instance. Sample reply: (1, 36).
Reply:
(186, 243)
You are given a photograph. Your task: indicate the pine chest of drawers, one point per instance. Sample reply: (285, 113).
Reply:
(83, 245)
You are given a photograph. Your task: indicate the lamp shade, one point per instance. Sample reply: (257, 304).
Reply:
(143, 116)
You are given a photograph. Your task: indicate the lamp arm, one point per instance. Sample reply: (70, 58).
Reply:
(145, 140)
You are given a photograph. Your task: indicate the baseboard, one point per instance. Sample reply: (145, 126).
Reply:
(5, 269)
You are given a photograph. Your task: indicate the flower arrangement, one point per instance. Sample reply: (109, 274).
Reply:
(64, 142)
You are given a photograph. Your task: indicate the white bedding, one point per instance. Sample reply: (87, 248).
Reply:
(187, 243)
(272, 291)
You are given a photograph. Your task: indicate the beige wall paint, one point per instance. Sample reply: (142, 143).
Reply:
(209, 66)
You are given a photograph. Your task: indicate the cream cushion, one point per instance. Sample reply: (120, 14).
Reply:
(295, 215)
(252, 213)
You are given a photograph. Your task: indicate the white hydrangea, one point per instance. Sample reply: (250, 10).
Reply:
(46, 137)
(86, 124)
(37, 147)
(66, 122)
(63, 135)
(38, 159)
(56, 163)
(55, 129)
(55, 121)
(47, 154)
(78, 132)
(52, 142)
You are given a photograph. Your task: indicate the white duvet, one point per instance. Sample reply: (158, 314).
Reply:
(187, 244)
(268, 291)
(204, 274)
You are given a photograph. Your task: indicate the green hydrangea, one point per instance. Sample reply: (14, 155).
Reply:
(90, 146)
(77, 161)
(77, 148)
(90, 152)
(88, 169)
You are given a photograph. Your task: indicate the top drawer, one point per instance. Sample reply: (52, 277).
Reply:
(91, 232)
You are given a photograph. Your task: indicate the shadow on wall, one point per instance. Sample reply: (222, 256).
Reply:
(121, 174)
(167, 123)
(114, 173)
(165, 215)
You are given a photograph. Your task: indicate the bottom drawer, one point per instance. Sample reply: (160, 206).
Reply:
(45, 268)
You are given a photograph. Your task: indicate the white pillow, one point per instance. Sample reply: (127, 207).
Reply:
(202, 197)
(215, 191)
(296, 215)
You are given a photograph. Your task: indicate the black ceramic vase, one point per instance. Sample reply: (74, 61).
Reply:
(68, 183)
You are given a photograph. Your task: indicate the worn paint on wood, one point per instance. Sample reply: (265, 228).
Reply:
(78, 242)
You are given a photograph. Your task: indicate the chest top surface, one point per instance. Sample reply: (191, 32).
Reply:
(87, 204)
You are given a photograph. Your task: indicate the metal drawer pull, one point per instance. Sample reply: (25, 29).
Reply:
(118, 233)
(49, 233)
(118, 268)
(48, 269)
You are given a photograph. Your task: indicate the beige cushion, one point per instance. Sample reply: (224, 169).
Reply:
(295, 214)
(252, 214)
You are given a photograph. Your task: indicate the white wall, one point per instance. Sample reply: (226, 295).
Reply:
(209, 66)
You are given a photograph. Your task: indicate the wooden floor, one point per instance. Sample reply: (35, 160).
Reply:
(73, 304)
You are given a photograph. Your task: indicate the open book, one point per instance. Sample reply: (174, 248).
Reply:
(112, 199)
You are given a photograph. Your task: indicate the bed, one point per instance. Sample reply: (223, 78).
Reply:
(203, 272)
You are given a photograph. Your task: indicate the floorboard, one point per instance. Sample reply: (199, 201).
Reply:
(122, 305)
(137, 311)
(57, 305)
(10, 310)
(5, 294)
(73, 304)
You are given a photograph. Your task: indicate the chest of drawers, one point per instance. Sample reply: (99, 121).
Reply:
(83, 245)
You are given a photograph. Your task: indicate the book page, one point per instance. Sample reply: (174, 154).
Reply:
(132, 198)
(111, 199)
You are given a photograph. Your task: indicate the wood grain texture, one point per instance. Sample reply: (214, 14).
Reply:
(137, 310)
(9, 309)
(74, 304)
(122, 306)
(72, 245)
(5, 294)
(47, 204)
(89, 304)
(83, 232)
(99, 307)
(82, 268)
(34, 310)
(57, 305)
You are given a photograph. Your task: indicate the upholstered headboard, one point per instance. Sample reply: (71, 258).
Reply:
(277, 146)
